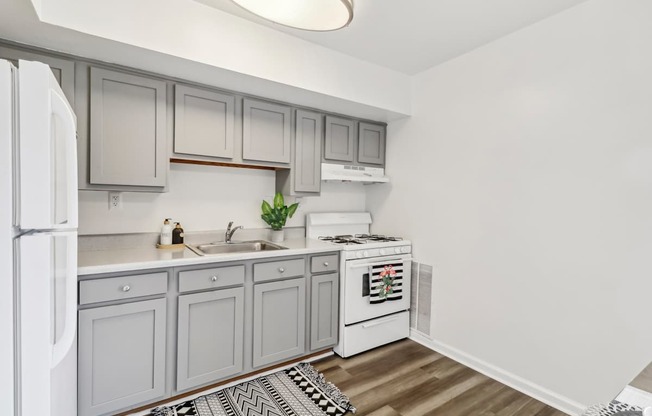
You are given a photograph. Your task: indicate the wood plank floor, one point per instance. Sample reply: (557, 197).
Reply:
(408, 379)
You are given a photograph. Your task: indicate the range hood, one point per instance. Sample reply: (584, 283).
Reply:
(348, 173)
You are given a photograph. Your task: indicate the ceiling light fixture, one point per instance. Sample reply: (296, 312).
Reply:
(317, 15)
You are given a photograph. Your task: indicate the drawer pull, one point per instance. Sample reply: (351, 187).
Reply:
(325, 264)
(281, 269)
(214, 279)
(384, 321)
(126, 288)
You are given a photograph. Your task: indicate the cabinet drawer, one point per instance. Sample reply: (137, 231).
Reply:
(211, 278)
(122, 287)
(320, 264)
(279, 269)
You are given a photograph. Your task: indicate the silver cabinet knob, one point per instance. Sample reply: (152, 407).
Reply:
(325, 264)
(126, 288)
(281, 269)
(214, 279)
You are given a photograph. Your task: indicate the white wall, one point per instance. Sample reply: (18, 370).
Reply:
(525, 178)
(206, 198)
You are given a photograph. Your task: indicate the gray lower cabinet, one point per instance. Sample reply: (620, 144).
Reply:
(266, 132)
(339, 141)
(279, 321)
(128, 129)
(304, 178)
(121, 356)
(203, 122)
(148, 335)
(324, 311)
(210, 337)
(371, 144)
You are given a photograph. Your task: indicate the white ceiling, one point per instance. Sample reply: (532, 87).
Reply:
(411, 36)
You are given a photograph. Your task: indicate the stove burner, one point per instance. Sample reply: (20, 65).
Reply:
(377, 238)
(358, 239)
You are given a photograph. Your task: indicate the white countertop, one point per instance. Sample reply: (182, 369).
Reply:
(129, 259)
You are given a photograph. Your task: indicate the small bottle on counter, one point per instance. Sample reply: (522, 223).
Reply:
(166, 232)
(177, 234)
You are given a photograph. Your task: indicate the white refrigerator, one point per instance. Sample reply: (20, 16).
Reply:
(38, 243)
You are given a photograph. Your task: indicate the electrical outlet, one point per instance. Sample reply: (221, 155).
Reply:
(115, 200)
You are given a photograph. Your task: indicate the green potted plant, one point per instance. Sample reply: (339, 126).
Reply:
(276, 216)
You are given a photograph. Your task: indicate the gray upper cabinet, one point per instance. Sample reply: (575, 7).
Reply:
(203, 122)
(121, 356)
(210, 337)
(266, 132)
(323, 311)
(371, 144)
(304, 178)
(127, 130)
(63, 70)
(307, 160)
(339, 140)
(279, 321)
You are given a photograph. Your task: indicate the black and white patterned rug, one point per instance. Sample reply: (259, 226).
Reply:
(298, 391)
(614, 408)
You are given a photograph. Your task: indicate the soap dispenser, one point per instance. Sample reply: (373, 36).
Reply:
(166, 232)
(177, 234)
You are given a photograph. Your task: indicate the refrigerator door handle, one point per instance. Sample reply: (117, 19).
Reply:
(63, 345)
(61, 109)
(47, 150)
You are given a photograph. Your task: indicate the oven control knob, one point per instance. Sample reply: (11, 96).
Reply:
(382, 252)
(405, 249)
(397, 250)
(358, 255)
(365, 253)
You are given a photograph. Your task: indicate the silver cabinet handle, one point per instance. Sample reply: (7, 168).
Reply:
(325, 264)
(214, 279)
(281, 269)
(126, 288)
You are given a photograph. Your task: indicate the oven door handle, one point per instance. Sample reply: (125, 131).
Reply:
(381, 263)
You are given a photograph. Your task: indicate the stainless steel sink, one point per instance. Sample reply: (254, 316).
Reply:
(235, 247)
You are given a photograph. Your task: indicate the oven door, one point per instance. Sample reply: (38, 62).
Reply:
(361, 300)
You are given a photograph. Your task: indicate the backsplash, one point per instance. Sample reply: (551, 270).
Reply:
(206, 198)
(421, 298)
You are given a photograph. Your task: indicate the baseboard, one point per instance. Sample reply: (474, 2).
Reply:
(544, 395)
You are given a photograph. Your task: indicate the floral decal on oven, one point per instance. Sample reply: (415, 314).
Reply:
(385, 282)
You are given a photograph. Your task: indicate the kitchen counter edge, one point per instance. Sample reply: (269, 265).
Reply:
(133, 259)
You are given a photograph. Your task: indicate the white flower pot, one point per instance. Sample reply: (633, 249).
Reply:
(277, 236)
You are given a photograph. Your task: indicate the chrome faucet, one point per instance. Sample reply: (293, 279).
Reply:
(230, 231)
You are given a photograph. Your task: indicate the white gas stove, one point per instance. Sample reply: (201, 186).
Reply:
(351, 231)
(375, 272)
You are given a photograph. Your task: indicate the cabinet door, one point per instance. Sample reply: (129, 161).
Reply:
(371, 144)
(279, 321)
(210, 337)
(64, 71)
(307, 158)
(121, 356)
(266, 132)
(203, 122)
(323, 310)
(127, 129)
(339, 140)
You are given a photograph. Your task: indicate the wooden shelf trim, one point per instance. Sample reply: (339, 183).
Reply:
(228, 165)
